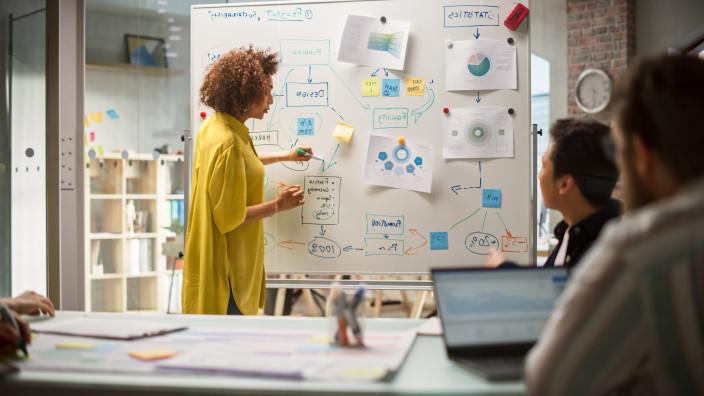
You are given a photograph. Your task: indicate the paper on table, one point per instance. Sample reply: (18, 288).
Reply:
(109, 329)
(390, 164)
(480, 65)
(367, 41)
(477, 132)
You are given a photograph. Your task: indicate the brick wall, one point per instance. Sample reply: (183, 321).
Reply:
(600, 34)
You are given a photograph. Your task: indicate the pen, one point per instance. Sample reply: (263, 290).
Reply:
(9, 319)
(307, 154)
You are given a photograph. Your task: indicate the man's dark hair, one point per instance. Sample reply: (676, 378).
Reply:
(582, 149)
(662, 100)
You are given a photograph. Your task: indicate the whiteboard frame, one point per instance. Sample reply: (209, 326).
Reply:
(371, 284)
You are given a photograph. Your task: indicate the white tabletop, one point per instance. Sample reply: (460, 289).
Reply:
(426, 371)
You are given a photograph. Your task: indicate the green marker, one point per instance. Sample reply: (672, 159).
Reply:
(300, 151)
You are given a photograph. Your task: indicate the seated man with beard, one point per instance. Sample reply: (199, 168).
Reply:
(631, 319)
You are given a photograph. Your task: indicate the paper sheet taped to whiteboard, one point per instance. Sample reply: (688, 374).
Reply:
(368, 41)
(480, 65)
(478, 132)
(392, 164)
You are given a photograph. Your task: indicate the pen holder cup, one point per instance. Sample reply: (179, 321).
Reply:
(345, 311)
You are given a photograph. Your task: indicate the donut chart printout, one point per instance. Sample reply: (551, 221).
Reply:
(419, 163)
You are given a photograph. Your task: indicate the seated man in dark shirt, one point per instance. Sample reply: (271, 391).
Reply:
(577, 178)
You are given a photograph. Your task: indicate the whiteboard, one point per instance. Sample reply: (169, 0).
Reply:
(346, 225)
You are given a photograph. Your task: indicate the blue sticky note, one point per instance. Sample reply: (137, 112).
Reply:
(390, 87)
(439, 241)
(112, 113)
(491, 198)
(305, 126)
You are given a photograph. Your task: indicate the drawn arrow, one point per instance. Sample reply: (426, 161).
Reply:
(504, 224)
(349, 248)
(310, 80)
(478, 99)
(476, 35)
(287, 244)
(331, 162)
(375, 72)
(338, 114)
(417, 113)
(386, 73)
(414, 249)
(365, 106)
(322, 230)
(458, 187)
(278, 95)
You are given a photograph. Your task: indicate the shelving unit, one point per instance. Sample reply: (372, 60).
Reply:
(125, 267)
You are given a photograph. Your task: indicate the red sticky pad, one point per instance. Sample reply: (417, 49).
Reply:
(516, 16)
(92, 137)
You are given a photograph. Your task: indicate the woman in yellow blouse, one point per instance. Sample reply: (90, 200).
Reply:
(224, 263)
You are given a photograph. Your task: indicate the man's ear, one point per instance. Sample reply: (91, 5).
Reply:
(643, 158)
(565, 184)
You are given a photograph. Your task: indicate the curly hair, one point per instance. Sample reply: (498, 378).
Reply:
(237, 80)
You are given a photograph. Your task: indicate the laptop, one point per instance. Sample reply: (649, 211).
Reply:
(492, 317)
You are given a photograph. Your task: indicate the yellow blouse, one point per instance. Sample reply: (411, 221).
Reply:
(222, 252)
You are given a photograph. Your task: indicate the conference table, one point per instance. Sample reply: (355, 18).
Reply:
(426, 370)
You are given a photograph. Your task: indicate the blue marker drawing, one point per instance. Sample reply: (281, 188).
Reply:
(439, 241)
(417, 113)
(305, 126)
(491, 198)
(390, 87)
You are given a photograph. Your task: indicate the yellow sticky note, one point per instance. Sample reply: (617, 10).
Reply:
(152, 354)
(359, 373)
(371, 87)
(97, 117)
(74, 345)
(343, 131)
(101, 152)
(85, 121)
(415, 86)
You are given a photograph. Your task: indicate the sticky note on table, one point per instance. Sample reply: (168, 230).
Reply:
(74, 345)
(343, 131)
(371, 87)
(305, 126)
(415, 86)
(491, 198)
(390, 87)
(439, 241)
(152, 354)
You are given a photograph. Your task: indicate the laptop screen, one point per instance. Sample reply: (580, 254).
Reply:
(493, 307)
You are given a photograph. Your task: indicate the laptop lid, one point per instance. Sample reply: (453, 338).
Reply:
(495, 312)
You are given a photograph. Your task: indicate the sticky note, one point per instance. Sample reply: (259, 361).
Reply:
(101, 152)
(86, 123)
(305, 126)
(390, 87)
(74, 345)
(152, 354)
(371, 87)
(439, 241)
(112, 113)
(415, 86)
(491, 198)
(97, 117)
(343, 131)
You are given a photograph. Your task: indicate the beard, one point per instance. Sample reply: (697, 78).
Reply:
(635, 191)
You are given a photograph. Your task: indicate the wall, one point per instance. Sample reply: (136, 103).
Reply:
(662, 24)
(548, 35)
(153, 108)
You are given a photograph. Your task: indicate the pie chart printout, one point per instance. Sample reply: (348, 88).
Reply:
(478, 65)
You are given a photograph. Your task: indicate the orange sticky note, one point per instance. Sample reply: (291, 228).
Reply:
(415, 86)
(152, 354)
